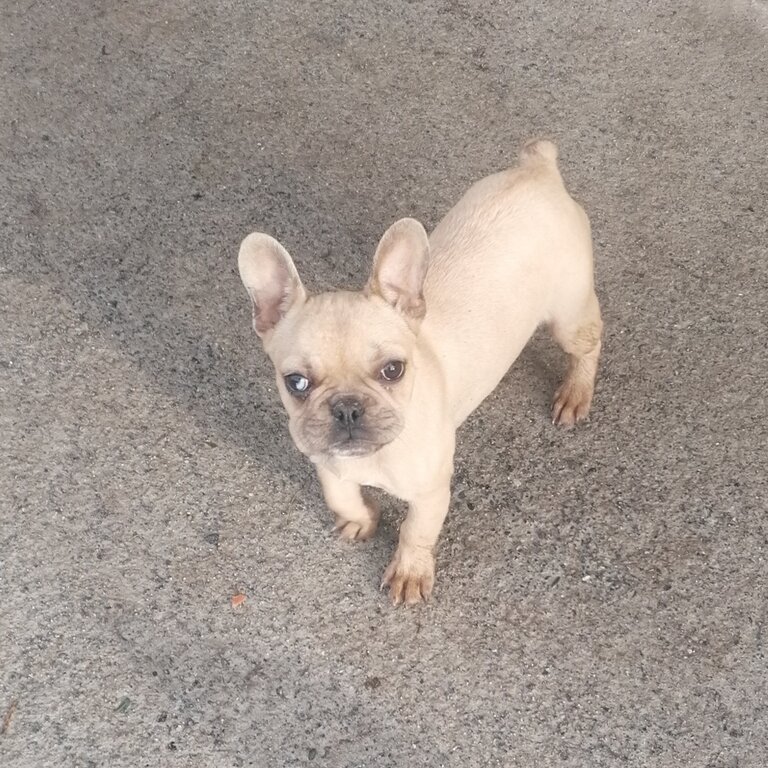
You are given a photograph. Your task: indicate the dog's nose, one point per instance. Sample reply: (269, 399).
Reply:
(347, 412)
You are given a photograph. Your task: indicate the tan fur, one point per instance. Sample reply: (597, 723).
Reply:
(514, 253)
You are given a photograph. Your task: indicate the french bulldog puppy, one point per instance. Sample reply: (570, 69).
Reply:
(376, 382)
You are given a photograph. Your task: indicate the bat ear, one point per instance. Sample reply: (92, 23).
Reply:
(270, 277)
(400, 267)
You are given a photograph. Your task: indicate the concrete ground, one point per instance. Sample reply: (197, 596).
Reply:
(602, 592)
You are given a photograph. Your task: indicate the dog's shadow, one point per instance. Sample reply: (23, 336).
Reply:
(177, 310)
(529, 385)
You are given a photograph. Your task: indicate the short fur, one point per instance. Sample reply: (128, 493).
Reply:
(456, 308)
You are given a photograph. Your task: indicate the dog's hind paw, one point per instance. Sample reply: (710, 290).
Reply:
(572, 402)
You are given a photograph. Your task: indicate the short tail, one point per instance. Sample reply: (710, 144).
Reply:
(537, 150)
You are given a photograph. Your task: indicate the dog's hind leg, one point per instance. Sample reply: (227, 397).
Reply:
(578, 333)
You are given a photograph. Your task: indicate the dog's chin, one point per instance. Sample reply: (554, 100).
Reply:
(353, 449)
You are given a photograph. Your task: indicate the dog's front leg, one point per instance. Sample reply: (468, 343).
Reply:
(410, 575)
(356, 517)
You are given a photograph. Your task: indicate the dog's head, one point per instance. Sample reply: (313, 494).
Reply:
(343, 360)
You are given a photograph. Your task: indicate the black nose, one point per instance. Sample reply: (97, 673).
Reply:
(347, 412)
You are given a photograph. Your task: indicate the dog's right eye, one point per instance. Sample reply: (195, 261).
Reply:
(297, 384)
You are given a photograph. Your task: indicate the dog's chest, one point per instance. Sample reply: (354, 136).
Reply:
(400, 472)
(366, 470)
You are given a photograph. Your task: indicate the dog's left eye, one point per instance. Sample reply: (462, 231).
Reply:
(393, 370)
(297, 384)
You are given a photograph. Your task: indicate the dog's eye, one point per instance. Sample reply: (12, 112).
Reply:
(297, 384)
(393, 370)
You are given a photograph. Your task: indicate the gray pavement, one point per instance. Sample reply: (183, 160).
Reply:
(602, 592)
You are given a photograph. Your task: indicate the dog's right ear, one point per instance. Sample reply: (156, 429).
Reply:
(271, 279)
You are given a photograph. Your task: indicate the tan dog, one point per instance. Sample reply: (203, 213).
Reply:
(376, 383)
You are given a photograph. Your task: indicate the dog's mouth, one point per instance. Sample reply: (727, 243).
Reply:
(318, 435)
(353, 448)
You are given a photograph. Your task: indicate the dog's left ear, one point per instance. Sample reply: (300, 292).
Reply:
(400, 266)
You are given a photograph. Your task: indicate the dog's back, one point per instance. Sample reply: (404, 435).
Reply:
(513, 251)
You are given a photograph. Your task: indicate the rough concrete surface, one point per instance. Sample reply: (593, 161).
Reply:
(601, 596)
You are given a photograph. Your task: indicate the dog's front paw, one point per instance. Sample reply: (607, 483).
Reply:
(571, 403)
(410, 576)
(355, 530)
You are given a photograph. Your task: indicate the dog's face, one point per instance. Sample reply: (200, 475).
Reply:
(343, 360)
(342, 364)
